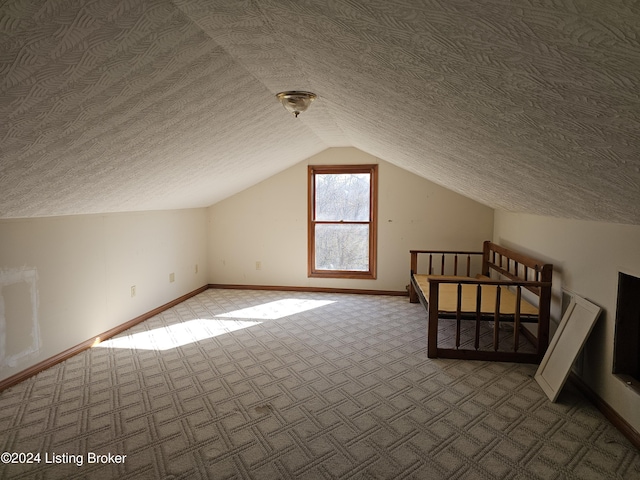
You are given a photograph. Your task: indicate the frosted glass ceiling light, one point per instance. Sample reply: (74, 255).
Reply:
(296, 102)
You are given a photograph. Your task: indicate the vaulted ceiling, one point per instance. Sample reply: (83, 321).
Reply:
(126, 105)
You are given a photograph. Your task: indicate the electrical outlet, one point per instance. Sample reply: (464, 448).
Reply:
(133, 291)
(172, 277)
(258, 265)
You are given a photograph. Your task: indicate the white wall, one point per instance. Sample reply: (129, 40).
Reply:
(267, 223)
(587, 257)
(64, 280)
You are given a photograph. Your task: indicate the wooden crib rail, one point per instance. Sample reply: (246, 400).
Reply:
(515, 266)
(496, 317)
(444, 254)
(510, 272)
(452, 255)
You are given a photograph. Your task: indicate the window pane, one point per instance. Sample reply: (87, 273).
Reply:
(342, 247)
(342, 197)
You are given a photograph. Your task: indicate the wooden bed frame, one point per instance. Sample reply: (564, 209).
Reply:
(503, 276)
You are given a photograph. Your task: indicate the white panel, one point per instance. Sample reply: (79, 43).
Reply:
(574, 329)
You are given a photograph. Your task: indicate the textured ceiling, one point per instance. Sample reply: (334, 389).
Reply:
(109, 106)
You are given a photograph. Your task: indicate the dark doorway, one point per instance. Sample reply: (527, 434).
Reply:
(626, 350)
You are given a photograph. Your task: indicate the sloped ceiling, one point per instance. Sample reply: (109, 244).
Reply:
(116, 105)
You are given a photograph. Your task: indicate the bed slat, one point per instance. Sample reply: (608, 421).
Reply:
(516, 320)
(458, 315)
(496, 321)
(478, 315)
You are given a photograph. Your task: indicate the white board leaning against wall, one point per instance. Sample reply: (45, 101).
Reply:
(574, 329)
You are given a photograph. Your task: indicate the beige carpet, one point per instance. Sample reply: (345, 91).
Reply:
(279, 385)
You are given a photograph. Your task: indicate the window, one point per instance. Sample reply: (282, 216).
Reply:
(342, 221)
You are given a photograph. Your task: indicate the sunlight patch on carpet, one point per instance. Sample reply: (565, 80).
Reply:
(184, 333)
(278, 309)
(176, 335)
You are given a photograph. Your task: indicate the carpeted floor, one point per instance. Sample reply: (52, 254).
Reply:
(280, 385)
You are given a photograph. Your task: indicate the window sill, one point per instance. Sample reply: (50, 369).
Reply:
(345, 275)
(629, 381)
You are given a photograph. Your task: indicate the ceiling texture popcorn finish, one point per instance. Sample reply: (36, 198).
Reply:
(111, 106)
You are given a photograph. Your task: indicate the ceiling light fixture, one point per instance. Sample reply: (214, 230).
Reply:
(295, 101)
